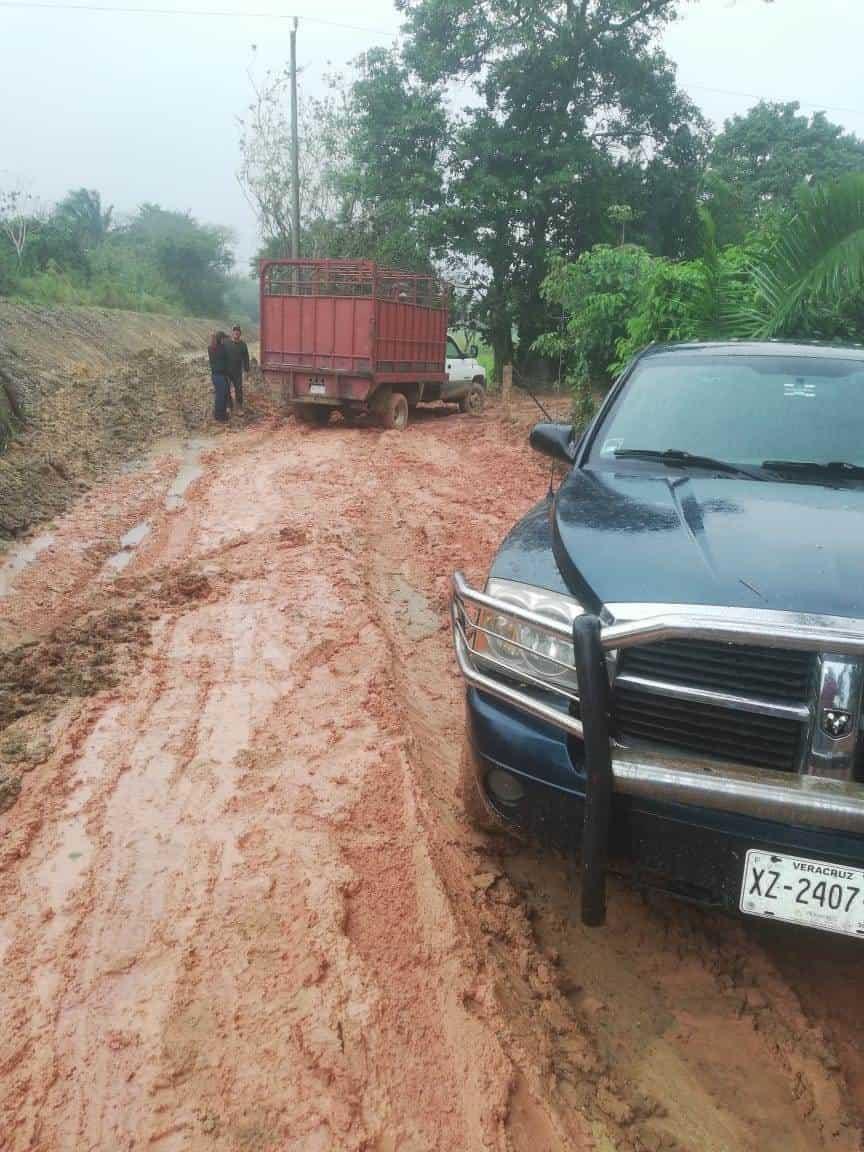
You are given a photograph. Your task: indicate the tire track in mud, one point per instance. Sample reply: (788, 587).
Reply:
(674, 1028)
(241, 909)
(250, 948)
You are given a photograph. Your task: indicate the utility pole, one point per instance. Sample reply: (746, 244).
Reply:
(295, 151)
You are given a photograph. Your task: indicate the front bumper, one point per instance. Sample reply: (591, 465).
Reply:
(675, 814)
(694, 851)
(649, 773)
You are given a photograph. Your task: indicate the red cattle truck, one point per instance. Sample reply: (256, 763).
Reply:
(350, 336)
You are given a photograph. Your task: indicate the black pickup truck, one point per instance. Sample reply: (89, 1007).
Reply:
(665, 666)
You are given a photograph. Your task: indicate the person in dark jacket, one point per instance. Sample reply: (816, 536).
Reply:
(238, 361)
(219, 368)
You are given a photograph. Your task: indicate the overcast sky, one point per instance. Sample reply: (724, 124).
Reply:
(145, 107)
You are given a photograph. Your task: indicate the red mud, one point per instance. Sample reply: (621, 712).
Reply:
(239, 906)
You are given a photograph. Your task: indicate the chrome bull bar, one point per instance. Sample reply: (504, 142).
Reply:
(798, 799)
(828, 804)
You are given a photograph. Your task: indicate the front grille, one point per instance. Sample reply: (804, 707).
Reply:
(723, 733)
(709, 729)
(771, 673)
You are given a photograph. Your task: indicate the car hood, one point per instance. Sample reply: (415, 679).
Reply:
(630, 537)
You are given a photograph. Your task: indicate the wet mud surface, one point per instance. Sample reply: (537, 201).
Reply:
(239, 905)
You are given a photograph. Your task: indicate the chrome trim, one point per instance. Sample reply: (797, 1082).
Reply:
(837, 805)
(830, 804)
(759, 706)
(769, 617)
(466, 594)
(801, 798)
(840, 684)
(650, 623)
(805, 637)
(502, 691)
(459, 629)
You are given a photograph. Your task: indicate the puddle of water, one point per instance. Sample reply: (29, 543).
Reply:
(189, 452)
(19, 557)
(189, 472)
(135, 535)
(128, 544)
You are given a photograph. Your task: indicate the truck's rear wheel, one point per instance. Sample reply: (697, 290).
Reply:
(474, 400)
(395, 413)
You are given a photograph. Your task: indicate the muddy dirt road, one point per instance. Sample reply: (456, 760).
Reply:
(239, 908)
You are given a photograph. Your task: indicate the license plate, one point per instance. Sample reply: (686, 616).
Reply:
(809, 892)
(318, 389)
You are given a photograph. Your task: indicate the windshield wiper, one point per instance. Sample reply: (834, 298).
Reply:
(834, 469)
(678, 458)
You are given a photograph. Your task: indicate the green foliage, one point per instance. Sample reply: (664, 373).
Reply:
(761, 160)
(194, 258)
(532, 168)
(810, 281)
(242, 301)
(615, 301)
(391, 187)
(158, 261)
(371, 171)
(80, 212)
(701, 299)
(595, 296)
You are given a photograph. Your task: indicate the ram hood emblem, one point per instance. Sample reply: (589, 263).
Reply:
(836, 723)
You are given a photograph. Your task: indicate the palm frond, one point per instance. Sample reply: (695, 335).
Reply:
(818, 259)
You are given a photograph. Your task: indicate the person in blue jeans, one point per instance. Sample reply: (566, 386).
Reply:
(217, 353)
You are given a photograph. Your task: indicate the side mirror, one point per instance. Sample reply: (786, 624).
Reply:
(555, 440)
(473, 351)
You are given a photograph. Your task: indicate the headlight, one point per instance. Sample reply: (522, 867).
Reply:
(524, 650)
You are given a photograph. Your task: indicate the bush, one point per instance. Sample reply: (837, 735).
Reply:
(596, 294)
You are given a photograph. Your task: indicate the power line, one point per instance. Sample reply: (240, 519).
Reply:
(104, 9)
(773, 100)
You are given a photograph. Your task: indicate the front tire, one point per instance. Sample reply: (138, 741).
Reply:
(395, 414)
(474, 400)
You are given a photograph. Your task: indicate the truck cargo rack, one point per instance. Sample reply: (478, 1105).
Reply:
(352, 279)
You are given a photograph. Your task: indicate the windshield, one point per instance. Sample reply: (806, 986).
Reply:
(742, 409)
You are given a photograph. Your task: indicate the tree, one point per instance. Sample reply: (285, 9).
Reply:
(761, 160)
(16, 218)
(397, 146)
(369, 164)
(82, 212)
(575, 104)
(265, 173)
(595, 296)
(193, 258)
(622, 215)
(810, 280)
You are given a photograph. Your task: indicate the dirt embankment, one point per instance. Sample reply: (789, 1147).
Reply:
(82, 390)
